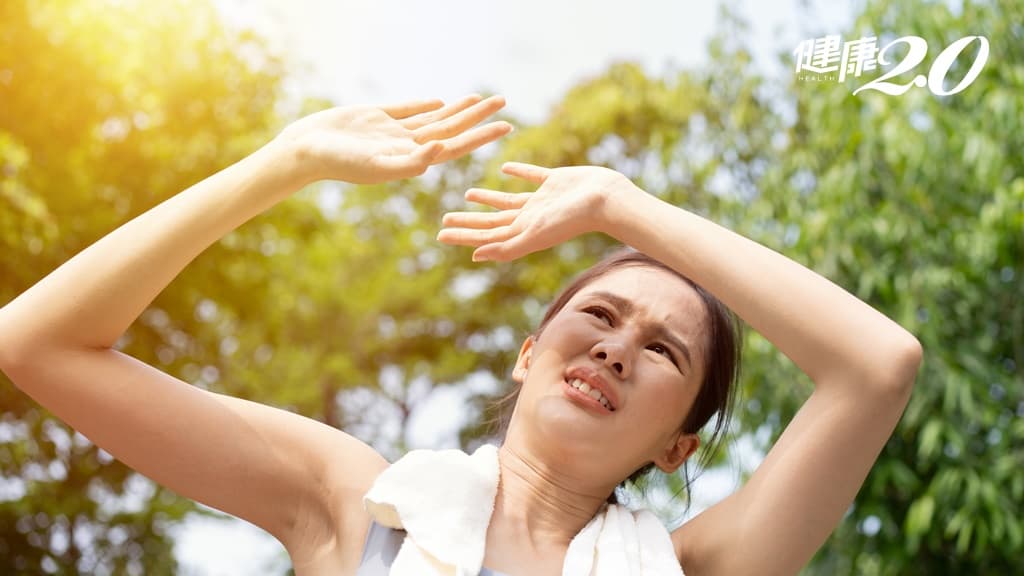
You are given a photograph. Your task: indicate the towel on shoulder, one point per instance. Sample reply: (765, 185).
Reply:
(444, 500)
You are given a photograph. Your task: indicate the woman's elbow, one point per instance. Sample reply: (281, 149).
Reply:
(15, 359)
(903, 364)
(8, 353)
(18, 353)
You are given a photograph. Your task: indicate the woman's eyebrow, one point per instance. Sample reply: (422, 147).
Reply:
(626, 307)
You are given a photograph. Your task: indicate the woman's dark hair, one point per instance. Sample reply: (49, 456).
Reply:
(721, 360)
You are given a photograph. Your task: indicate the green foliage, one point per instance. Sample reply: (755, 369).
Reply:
(107, 108)
(917, 206)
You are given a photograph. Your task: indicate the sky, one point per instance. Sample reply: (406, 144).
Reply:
(532, 52)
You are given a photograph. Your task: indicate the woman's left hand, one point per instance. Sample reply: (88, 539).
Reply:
(570, 201)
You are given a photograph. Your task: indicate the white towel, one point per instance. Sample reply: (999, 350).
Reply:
(444, 500)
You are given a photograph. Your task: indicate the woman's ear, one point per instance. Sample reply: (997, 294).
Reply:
(677, 453)
(523, 361)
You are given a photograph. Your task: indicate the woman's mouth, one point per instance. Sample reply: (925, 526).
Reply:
(582, 393)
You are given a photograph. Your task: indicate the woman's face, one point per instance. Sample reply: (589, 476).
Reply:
(637, 335)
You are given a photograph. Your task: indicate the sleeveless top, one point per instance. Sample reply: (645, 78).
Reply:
(382, 544)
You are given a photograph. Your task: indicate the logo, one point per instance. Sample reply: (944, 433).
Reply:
(830, 59)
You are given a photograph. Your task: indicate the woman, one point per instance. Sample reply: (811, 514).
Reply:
(639, 334)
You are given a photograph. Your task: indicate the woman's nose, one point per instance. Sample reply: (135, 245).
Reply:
(613, 355)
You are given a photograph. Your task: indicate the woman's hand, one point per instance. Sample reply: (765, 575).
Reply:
(570, 201)
(366, 144)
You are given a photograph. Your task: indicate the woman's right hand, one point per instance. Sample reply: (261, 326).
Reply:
(367, 144)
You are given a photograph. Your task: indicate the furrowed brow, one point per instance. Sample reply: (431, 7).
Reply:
(626, 307)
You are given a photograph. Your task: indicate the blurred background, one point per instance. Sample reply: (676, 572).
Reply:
(339, 305)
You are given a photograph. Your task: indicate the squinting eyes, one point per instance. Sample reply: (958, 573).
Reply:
(606, 317)
(600, 313)
(661, 349)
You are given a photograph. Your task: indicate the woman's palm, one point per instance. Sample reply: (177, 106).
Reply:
(569, 202)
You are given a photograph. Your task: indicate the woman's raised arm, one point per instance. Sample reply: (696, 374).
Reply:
(862, 364)
(268, 466)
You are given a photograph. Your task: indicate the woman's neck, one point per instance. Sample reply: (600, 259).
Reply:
(538, 507)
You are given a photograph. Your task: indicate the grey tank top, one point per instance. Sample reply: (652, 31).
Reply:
(382, 544)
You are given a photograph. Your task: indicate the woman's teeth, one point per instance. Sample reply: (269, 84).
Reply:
(592, 392)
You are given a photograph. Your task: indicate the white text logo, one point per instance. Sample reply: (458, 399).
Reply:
(830, 59)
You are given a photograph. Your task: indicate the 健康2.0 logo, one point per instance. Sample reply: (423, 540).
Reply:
(830, 59)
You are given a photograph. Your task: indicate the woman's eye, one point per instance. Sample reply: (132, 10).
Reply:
(659, 349)
(599, 313)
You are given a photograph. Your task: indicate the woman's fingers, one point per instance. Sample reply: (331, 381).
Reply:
(407, 109)
(453, 125)
(499, 200)
(478, 220)
(530, 172)
(412, 164)
(475, 237)
(460, 121)
(401, 164)
(468, 141)
(503, 251)
(420, 120)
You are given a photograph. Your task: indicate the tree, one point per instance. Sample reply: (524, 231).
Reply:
(108, 109)
(916, 204)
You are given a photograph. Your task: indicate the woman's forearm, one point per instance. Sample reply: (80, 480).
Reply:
(91, 299)
(831, 335)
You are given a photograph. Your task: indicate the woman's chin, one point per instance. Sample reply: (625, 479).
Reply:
(561, 419)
